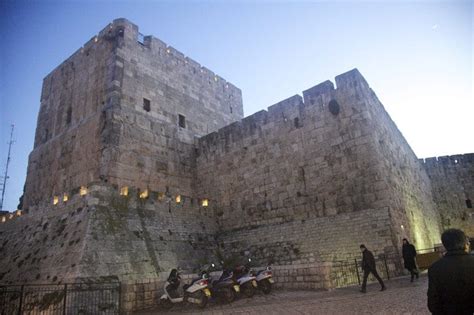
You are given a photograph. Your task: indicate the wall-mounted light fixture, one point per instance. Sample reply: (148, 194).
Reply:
(205, 202)
(161, 196)
(65, 198)
(124, 191)
(144, 194)
(55, 200)
(83, 191)
(178, 199)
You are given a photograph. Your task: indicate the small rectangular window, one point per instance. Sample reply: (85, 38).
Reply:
(146, 105)
(182, 121)
(68, 116)
(468, 203)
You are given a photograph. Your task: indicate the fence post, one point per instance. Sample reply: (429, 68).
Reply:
(357, 270)
(21, 299)
(65, 296)
(386, 267)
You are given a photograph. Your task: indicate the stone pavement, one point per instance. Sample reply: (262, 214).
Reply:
(402, 297)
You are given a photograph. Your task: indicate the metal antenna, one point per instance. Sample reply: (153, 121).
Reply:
(5, 177)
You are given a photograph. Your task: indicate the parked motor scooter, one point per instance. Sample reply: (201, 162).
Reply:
(265, 280)
(197, 292)
(246, 280)
(225, 288)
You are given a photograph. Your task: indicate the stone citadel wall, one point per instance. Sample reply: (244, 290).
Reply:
(303, 183)
(307, 162)
(408, 191)
(153, 150)
(69, 137)
(453, 189)
(103, 234)
(93, 124)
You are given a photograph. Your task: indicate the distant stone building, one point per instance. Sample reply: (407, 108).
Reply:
(143, 162)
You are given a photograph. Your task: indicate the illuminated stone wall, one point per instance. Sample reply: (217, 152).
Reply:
(452, 179)
(305, 182)
(93, 124)
(70, 128)
(152, 150)
(103, 234)
(306, 163)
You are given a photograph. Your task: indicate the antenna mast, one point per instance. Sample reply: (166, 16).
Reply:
(5, 177)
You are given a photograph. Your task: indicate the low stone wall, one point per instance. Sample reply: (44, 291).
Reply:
(314, 276)
(140, 294)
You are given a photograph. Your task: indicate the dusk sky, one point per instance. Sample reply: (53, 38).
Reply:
(416, 56)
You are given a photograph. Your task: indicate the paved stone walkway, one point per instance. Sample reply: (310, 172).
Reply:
(402, 297)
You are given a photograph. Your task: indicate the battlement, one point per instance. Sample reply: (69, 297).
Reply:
(448, 160)
(162, 49)
(290, 111)
(123, 28)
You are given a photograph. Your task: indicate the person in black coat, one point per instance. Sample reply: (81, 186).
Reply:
(451, 279)
(368, 266)
(409, 254)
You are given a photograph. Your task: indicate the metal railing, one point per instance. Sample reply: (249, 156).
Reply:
(349, 272)
(63, 299)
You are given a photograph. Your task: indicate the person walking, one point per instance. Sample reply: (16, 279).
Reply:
(409, 259)
(368, 266)
(451, 279)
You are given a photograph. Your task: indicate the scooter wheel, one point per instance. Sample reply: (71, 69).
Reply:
(202, 300)
(248, 290)
(228, 295)
(166, 304)
(266, 286)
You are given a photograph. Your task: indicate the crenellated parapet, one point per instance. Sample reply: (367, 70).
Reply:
(293, 111)
(459, 160)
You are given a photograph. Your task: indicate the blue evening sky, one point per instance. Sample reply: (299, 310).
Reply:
(417, 56)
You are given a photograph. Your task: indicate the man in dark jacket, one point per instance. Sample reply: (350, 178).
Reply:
(451, 279)
(409, 254)
(368, 266)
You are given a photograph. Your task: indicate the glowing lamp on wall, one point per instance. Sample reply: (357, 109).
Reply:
(4, 219)
(18, 213)
(124, 191)
(65, 197)
(144, 194)
(178, 199)
(161, 196)
(83, 191)
(205, 202)
(55, 200)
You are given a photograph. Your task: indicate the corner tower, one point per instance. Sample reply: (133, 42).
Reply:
(124, 109)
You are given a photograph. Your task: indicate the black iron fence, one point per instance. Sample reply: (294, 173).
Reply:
(349, 272)
(64, 299)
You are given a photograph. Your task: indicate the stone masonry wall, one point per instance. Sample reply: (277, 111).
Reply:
(103, 234)
(317, 239)
(297, 162)
(153, 150)
(452, 180)
(93, 124)
(406, 186)
(68, 138)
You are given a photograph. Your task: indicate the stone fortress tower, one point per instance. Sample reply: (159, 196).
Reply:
(143, 162)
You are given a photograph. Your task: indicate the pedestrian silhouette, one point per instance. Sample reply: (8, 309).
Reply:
(409, 258)
(451, 279)
(368, 266)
